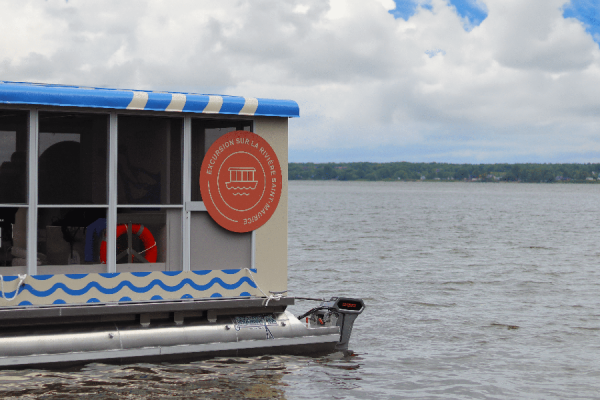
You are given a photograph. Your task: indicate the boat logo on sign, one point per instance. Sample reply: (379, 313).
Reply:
(240, 181)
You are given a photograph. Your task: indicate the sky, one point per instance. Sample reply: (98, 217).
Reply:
(460, 81)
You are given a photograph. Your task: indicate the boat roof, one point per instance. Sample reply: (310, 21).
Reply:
(129, 99)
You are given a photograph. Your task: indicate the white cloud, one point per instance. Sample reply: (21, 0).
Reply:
(362, 78)
(534, 35)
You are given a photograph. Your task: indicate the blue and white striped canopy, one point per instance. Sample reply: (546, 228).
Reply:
(75, 96)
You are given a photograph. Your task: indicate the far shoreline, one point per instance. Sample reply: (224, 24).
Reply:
(445, 172)
(572, 182)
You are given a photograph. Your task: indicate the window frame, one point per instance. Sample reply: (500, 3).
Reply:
(187, 205)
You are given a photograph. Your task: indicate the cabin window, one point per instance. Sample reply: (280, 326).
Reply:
(72, 191)
(13, 188)
(214, 247)
(70, 239)
(72, 180)
(13, 156)
(13, 237)
(149, 160)
(149, 174)
(149, 239)
(204, 134)
(72, 158)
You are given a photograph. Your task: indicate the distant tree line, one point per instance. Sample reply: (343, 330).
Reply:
(406, 171)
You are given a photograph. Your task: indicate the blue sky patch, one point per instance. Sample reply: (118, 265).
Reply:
(404, 9)
(473, 11)
(588, 12)
(434, 52)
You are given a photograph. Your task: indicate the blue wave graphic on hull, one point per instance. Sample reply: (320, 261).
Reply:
(136, 289)
(76, 276)
(171, 273)
(141, 274)
(41, 277)
(109, 274)
(10, 295)
(234, 271)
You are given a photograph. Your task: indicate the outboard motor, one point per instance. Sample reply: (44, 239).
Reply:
(338, 311)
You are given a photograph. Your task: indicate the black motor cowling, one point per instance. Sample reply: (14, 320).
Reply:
(338, 311)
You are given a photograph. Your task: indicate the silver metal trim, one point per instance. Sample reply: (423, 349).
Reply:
(187, 192)
(32, 193)
(180, 206)
(111, 218)
(72, 206)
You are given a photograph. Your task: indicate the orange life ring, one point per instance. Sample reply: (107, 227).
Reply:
(144, 234)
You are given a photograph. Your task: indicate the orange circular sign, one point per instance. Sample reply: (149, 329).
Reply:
(240, 181)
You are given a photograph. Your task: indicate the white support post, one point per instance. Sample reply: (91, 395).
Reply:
(253, 251)
(111, 218)
(187, 190)
(32, 193)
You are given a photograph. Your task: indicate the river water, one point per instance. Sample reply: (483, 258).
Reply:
(473, 291)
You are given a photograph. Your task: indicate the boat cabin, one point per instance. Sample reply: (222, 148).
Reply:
(142, 225)
(100, 196)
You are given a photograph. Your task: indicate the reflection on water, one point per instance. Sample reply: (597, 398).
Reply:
(219, 378)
